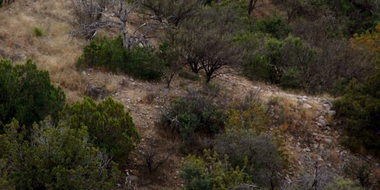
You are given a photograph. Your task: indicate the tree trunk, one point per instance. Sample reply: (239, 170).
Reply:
(126, 38)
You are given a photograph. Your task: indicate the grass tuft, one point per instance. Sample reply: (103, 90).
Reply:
(39, 32)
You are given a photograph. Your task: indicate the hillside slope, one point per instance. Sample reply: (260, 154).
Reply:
(312, 138)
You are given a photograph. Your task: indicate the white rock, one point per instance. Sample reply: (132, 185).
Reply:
(331, 112)
(307, 106)
(327, 106)
(323, 121)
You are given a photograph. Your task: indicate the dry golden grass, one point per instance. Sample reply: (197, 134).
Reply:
(55, 52)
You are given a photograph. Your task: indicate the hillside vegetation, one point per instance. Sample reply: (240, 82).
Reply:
(189, 94)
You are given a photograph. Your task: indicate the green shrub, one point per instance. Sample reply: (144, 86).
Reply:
(109, 127)
(339, 86)
(140, 62)
(55, 157)
(291, 63)
(276, 26)
(196, 113)
(291, 79)
(257, 154)
(189, 75)
(210, 172)
(39, 32)
(27, 94)
(340, 183)
(361, 106)
(257, 67)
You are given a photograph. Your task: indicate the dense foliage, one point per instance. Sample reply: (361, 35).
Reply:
(209, 172)
(139, 62)
(27, 94)
(361, 106)
(109, 127)
(196, 113)
(258, 155)
(55, 157)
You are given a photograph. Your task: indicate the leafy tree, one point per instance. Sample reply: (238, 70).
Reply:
(109, 127)
(361, 106)
(56, 157)
(206, 40)
(363, 15)
(368, 41)
(171, 12)
(27, 94)
(169, 61)
(300, 8)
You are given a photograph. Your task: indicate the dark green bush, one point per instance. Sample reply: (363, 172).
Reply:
(275, 26)
(188, 75)
(291, 79)
(54, 157)
(257, 154)
(291, 63)
(109, 127)
(211, 172)
(361, 107)
(257, 67)
(196, 113)
(139, 62)
(27, 94)
(339, 85)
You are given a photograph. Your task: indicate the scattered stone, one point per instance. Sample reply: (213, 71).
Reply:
(323, 122)
(96, 92)
(23, 57)
(328, 141)
(124, 83)
(331, 112)
(327, 106)
(307, 106)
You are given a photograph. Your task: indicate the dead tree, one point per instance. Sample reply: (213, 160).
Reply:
(92, 15)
